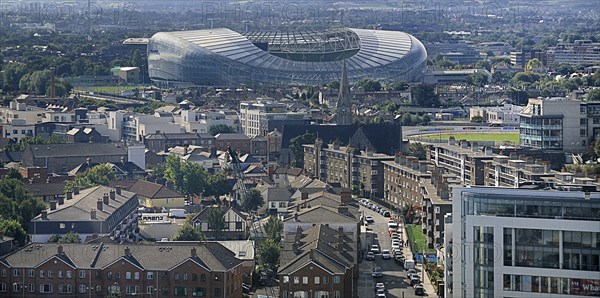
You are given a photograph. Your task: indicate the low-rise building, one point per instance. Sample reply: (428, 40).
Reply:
(234, 223)
(101, 270)
(153, 195)
(463, 159)
(239, 142)
(99, 210)
(506, 115)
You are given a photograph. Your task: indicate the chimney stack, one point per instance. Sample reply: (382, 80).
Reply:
(105, 198)
(75, 190)
(304, 195)
(52, 205)
(345, 195)
(342, 209)
(69, 195)
(194, 252)
(99, 205)
(61, 200)
(127, 251)
(298, 234)
(340, 231)
(295, 246)
(118, 189)
(112, 194)
(93, 214)
(60, 249)
(44, 215)
(340, 243)
(296, 215)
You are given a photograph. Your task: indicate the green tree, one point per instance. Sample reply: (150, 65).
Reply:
(217, 185)
(407, 120)
(593, 95)
(417, 150)
(216, 221)
(533, 64)
(187, 232)
(12, 228)
(70, 237)
(334, 85)
(252, 200)
(426, 119)
(189, 178)
(483, 64)
(526, 77)
(221, 128)
(54, 238)
(136, 58)
(22, 144)
(424, 96)
(268, 255)
(398, 86)
(16, 203)
(369, 85)
(12, 74)
(564, 69)
(273, 229)
(477, 79)
(150, 107)
(94, 176)
(477, 119)
(444, 63)
(297, 150)
(519, 97)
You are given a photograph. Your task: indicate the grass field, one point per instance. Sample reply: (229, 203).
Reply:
(512, 137)
(417, 239)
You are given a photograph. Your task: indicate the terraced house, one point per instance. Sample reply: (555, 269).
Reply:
(100, 270)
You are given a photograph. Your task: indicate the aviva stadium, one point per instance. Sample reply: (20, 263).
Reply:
(222, 57)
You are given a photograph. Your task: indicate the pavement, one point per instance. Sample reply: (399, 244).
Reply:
(429, 289)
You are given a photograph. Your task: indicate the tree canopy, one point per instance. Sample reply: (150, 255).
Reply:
(424, 96)
(417, 150)
(297, 150)
(17, 204)
(273, 228)
(189, 178)
(216, 221)
(268, 255)
(593, 95)
(23, 142)
(369, 85)
(187, 232)
(94, 176)
(221, 128)
(12, 228)
(70, 237)
(252, 200)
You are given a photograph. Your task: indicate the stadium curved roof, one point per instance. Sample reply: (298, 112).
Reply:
(377, 48)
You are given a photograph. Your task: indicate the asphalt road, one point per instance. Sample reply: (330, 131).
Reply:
(394, 276)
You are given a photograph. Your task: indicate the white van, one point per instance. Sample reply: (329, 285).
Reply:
(178, 213)
(409, 264)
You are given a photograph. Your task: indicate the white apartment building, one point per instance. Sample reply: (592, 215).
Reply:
(261, 117)
(202, 121)
(19, 110)
(17, 130)
(524, 243)
(579, 52)
(506, 115)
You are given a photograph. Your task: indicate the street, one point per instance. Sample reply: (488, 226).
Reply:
(394, 276)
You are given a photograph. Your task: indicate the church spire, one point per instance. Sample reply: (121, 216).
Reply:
(344, 103)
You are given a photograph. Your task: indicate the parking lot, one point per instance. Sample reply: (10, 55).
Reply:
(394, 277)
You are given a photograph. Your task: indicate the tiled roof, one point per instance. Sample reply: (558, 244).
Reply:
(153, 190)
(79, 149)
(165, 256)
(322, 214)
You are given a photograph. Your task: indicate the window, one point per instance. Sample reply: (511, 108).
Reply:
(69, 274)
(217, 292)
(149, 275)
(109, 275)
(286, 279)
(149, 290)
(16, 287)
(194, 277)
(336, 279)
(117, 275)
(49, 273)
(136, 275)
(60, 274)
(31, 273)
(296, 280)
(202, 277)
(238, 225)
(31, 288)
(82, 289)
(176, 277)
(3, 273)
(199, 292)
(336, 294)
(41, 273)
(185, 276)
(81, 273)
(165, 290)
(128, 275)
(165, 275)
(132, 289)
(16, 272)
(64, 288)
(45, 288)
(2, 287)
(317, 280)
(305, 280)
(180, 291)
(325, 280)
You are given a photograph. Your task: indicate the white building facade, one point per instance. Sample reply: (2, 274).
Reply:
(524, 243)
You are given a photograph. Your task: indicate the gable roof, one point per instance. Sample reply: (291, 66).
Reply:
(153, 190)
(322, 214)
(203, 214)
(277, 194)
(75, 150)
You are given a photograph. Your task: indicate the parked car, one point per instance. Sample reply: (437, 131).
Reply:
(379, 286)
(375, 248)
(385, 254)
(369, 219)
(377, 272)
(370, 256)
(419, 290)
(386, 214)
(415, 279)
(409, 272)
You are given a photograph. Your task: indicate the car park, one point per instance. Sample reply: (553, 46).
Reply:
(377, 272)
(375, 248)
(370, 256)
(385, 254)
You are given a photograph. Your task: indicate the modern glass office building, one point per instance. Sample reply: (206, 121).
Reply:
(524, 243)
(222, 57)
